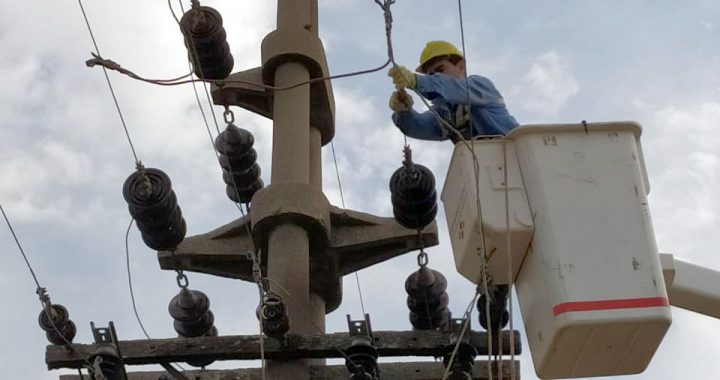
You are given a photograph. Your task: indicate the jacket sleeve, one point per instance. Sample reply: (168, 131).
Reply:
(482, 91)
(424, 126)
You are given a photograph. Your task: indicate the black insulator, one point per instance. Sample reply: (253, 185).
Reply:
(238, 159)
(427, 299)
(203, 362)
(499, 315)
(361, 361)
(153, 205)
(206, 42)
(110, 363)
(414, 198)
(274, 317)
(463, 361)
(361, 358)
(191, 311)
(55, 320)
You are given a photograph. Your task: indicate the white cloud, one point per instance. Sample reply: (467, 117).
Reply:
(546, 87)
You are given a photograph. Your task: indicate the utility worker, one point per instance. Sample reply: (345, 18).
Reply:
(444, 83)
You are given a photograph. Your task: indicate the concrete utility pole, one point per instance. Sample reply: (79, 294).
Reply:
(306, 244)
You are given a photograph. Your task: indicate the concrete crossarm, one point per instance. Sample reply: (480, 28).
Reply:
(691, 287)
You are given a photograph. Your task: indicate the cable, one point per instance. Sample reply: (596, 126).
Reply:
(129, 276)
(466, 316)
(17, 242)
(342, 200)
(107, 78)
(44, 299)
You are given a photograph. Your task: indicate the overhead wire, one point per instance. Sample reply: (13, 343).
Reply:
(130, 284)
(107, 78)
(466, 324)
(476, 165)
(41, 292)
(342, 201)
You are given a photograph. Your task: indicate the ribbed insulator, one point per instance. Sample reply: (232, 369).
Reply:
(56, 323)
(153, 205)
(414, 198)
(191, 311)
(111, 364)
(427, 299)
(237, 158)
(274, 317)
(206, 42)
(361, 360)
(499, 315)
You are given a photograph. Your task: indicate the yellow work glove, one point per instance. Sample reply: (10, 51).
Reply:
(402, 77)
(400, 101)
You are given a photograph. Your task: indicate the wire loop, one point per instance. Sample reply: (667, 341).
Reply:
(228, 115)
(182, 279)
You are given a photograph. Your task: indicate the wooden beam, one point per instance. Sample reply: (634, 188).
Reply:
(388, 371)
(247, 347)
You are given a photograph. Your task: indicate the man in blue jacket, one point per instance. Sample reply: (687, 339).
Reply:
(473, 108)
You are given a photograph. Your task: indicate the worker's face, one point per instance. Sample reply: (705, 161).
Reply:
(445, 66)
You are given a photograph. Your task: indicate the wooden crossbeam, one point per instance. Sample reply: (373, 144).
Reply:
(296, 346)
(388, 371)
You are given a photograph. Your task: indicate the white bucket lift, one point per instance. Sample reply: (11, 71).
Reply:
(591, 286)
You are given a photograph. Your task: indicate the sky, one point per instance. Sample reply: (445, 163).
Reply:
(64, 155)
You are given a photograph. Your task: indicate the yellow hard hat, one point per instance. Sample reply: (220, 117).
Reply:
(434, 49)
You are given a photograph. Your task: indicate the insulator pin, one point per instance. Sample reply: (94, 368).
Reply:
(56, 323)
(462, 365)
(109, 363)
(273, 315)
(153, 205)
(361, 355)
(206, 42)
(499, 315)
(413, 196)
(427, 299)
(238, 158)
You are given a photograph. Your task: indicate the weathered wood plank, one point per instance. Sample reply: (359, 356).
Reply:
(388, 371)
(247, 347)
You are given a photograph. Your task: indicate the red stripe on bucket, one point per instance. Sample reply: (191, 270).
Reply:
(628, 303)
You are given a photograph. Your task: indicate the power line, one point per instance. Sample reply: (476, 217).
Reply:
(22, 252)
(107, 78)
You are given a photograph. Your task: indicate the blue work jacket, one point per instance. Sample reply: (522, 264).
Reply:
(488, 114)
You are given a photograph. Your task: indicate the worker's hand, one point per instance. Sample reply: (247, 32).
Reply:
(402, 77)
(400, 101)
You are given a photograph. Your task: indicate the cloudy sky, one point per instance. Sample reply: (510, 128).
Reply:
(64, 155)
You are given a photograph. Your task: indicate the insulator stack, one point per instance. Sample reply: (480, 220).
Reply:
(238, 159)
(206, 41)
(427, 299)
(499, 315)
(273, 315)
(190, 310)
(413, 194)
(55, 320)
(153, 205)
